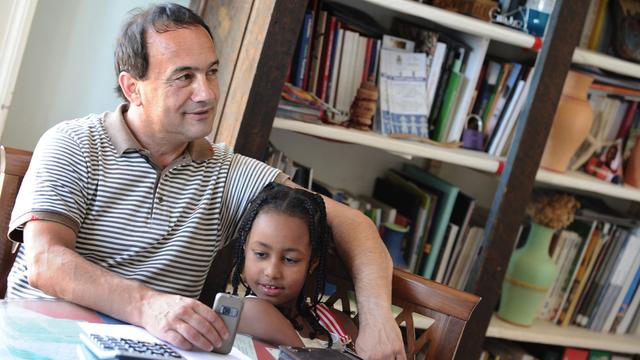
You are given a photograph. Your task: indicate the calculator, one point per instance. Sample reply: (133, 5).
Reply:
(109, 347)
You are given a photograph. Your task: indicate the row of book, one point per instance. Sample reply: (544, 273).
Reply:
(599, 26)
(598, 257)
(499, 97)
(445, 225)
(334, 55)
(427, 80)
(499, 349)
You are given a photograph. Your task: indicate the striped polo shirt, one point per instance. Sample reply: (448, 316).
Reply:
(158, 226)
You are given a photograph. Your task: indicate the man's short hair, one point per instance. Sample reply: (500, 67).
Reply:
(131, 48)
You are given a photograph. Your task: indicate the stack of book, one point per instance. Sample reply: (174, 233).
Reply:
(598, 258)
(445, 234)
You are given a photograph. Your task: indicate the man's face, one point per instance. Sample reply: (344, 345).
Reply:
(180, 92)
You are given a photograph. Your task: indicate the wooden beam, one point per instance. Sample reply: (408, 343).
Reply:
(516, 183)
(280, 41)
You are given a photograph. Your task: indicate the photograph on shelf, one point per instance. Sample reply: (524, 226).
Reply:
(606, 163)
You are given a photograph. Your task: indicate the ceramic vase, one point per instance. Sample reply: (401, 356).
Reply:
(530, 274)
(392, 236)
(571, 123)
(632, 171)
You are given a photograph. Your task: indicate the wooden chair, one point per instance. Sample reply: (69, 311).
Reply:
(13, 166)
(449, 308)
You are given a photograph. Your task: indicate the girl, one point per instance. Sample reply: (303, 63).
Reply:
(282, 238)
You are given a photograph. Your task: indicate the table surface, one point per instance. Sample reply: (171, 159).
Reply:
(48, 329)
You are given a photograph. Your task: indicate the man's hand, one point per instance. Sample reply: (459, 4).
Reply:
(380, 338)
(184, 322)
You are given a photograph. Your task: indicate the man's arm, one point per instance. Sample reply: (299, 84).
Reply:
(58, 270)
(371, 269)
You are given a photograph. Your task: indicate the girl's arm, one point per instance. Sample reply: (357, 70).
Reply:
(263, 321)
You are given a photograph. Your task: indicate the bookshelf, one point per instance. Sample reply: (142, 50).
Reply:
(460, 22)
(605, 62)
(588, 184)
(471, 159)
(543, 332)
(520, 166)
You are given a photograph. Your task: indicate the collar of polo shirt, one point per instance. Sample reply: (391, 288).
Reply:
(123, 139)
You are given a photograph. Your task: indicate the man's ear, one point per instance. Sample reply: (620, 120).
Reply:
(130, 88)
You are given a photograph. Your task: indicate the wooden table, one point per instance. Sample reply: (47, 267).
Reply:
(48, 329)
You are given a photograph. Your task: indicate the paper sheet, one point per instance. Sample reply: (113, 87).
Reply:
(30, 335)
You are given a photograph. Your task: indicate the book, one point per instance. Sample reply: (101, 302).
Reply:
(629, 315)
(509, 87)
(575, 354)
(407, 200)
(618, 241)
(303, 53)
(472, 247)
(443, 215)
(403, 89)
(581, 266)
(326, 62)
(599, 355)
(623, 273)
(450, 95)
(445, 254)
(461, 216)
(316, 54)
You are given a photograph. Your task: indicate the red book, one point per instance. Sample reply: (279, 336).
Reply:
(325, 62)
(628, 119)
(575, 354)
(367, 59)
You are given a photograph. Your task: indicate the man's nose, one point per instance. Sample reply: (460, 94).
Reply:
(205, 89)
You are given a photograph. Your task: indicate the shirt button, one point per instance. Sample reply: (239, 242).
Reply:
(160, 199)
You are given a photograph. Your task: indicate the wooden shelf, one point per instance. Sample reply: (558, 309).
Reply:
(462, 23)
(544, 332)
(583, 182)
(467, 158)
(606, 62)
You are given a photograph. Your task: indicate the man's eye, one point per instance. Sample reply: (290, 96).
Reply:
(212, 72)
(184, 77)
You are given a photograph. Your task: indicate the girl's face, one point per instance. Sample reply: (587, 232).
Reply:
(277, 254)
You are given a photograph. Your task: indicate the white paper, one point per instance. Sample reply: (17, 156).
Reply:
(138, 333)
(403, 90)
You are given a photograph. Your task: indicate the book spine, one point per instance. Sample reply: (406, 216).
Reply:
(305, 36)
(327, 59)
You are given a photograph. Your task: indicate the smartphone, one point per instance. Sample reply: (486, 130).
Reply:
(228, 308)
(298, 353)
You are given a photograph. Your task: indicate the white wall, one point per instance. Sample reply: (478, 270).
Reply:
(67, 68)
(5, 6)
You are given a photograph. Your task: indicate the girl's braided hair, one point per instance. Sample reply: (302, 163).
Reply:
(308, 207)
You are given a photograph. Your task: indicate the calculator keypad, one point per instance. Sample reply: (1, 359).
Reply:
(133, 348)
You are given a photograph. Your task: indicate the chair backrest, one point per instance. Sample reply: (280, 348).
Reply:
(13, 166)
(449, 308)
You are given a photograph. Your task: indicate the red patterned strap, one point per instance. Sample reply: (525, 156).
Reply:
(331, 323)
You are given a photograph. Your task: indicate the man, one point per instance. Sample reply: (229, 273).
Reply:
(123, 212)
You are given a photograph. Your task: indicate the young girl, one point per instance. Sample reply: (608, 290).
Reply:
(282, 238)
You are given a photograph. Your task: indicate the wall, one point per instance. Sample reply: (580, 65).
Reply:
(5, 6)
(67, 68)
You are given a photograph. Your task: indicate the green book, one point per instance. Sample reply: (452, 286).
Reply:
(443, 211)
(448, 102)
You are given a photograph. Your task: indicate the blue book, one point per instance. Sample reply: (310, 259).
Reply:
(442, 216)
(303, 50)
